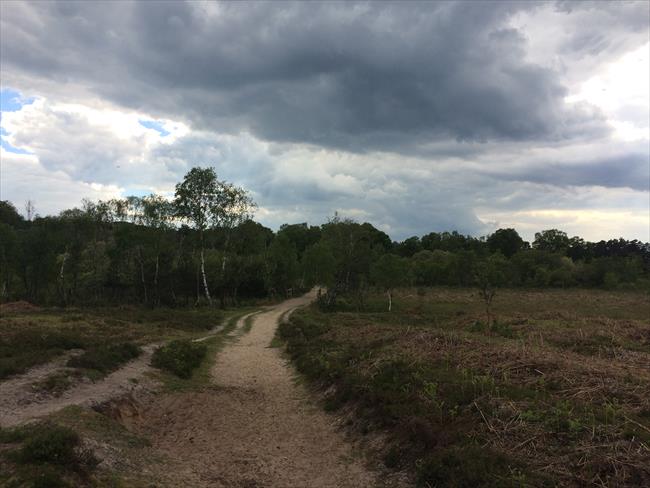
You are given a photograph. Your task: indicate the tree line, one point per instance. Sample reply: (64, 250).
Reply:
(203, 246)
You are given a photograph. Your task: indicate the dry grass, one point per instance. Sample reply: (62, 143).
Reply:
(560, 385)
(31, 336)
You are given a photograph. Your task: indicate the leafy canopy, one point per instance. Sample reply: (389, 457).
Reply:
(207, 202)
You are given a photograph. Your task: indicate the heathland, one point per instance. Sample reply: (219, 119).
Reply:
(138, 345)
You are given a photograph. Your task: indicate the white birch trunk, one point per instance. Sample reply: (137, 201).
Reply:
(144, 282)
(205, 280)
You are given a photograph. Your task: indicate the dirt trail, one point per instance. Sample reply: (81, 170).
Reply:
(256, 427)
(19, 402)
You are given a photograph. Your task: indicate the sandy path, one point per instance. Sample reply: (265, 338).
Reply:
(255, 428)
(19, 403)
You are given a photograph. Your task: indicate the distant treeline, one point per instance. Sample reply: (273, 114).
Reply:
(203, 247)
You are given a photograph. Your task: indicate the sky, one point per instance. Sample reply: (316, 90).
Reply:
(414, 116)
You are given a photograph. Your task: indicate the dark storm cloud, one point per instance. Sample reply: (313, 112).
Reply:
(623, 171)
(377, 76)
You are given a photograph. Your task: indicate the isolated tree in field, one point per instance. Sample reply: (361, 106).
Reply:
(206, 203)
(389, 272)
(490, 275)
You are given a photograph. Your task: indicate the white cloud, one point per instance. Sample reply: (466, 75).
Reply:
(24, 178)
(87, 140)
(93, 145)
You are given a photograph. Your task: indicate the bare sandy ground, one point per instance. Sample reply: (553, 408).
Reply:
(256, 427)
(20, 403)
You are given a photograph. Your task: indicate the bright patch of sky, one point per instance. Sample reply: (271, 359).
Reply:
(622, 90)
(155, 125)
(136, 192)
(12, 100)
(9, 148)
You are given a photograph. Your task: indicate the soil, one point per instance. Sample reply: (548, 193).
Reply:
(257, 426)
(20, 402)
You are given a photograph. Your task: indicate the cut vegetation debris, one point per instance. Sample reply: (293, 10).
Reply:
(556, 390)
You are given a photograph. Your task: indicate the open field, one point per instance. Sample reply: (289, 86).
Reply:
(554, 391)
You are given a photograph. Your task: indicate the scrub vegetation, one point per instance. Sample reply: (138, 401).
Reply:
(109, 336)
(555, 389)
(44, 455)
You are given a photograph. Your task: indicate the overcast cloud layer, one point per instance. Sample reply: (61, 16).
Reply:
(413, 116)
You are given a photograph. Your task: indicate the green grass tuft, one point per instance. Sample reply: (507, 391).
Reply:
(180, 357)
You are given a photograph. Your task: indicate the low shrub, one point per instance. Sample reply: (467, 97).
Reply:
(106, 358)
(180, 357)
(50, 444)
(465, 467)
(47, 456)
(54, 445)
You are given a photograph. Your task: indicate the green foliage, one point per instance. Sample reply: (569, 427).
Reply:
(50, 444)
(132, 250)
(106, 358)
(9, 215)
(48, 455)
(207, 202)
(551, 240)
(55, 445)
(390, 271)
(465, 467)
(179, 357)
(319, 264)
(506, 241)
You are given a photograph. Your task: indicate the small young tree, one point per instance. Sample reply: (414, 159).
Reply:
(489, 275)
(389, 272)
(205, 203)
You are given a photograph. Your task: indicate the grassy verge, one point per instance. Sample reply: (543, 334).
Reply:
(536, 398)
